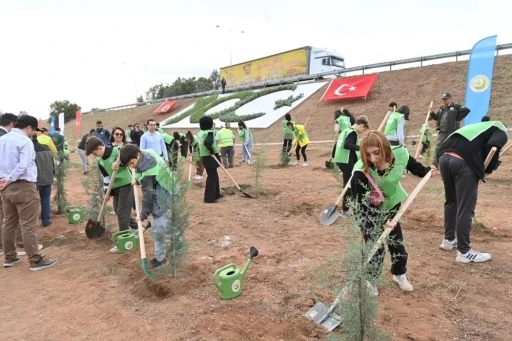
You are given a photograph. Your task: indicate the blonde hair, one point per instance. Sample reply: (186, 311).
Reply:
(375, 138)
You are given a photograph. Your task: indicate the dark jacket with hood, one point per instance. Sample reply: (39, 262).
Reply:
(44, 163)
(448, 117)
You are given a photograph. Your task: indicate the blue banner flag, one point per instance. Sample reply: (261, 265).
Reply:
(479, 81)
(52, 124)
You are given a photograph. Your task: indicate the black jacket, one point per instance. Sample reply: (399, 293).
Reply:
(448, 117)
(44, 163)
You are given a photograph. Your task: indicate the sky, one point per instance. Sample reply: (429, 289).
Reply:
(104, 53)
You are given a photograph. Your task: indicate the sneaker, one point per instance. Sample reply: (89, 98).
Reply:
(297, 162)
(155, 263)
(114, 249)
(21, 251)
(9, 262)
(448, 245)
(305, 164)
(403, 282)
(472, 256)
(43, 264)
(198, 177)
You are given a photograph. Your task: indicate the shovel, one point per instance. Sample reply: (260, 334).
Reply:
(505, 149)
(385, 120)
(326, 317)
(190, 169)
(330, 213)
(93, 229)
(143, 259)
(221, 166)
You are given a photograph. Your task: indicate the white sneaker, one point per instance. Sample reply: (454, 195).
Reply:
(472, 256)
(297, 162)
(448, 245)
(305, 164)
(403, 282)
(114, 249)
(199, 177)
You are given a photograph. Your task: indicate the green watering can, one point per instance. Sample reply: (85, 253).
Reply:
(75, 214)
(229, 278)
(125, 241)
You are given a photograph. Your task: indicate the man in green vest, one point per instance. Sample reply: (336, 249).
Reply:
(122, 190)
(226, 144)
(158, 185)
(461, 163)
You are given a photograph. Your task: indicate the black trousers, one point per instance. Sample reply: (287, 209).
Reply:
(346, 171)
(212, 188)
(123, 200)
(461, 192)
(184, 149)
(425, 147)
(302, 150)
(287, 145)
(372, 230)
(172, 151)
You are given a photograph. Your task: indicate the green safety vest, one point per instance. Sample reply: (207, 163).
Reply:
(123, 176)
(168, 139)
(163, 173)
(342, 155)
(226, 137)
(343, 122)
(242, 134)
(471, 131)
(287, 130)
(195, 149)
(426, 130)
(390, 184)
(392, 124)
(203, 151)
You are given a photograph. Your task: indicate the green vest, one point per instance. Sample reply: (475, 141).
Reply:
(203, 151)
(471, 131)
(168, 139)
(287, 130)
(123, 176)
(392, 124)
(342, 155)
(426, 130)
(226, 137)
(243, 133)
(195, 149)
(390, 184)
(343, 122)
(163, 173)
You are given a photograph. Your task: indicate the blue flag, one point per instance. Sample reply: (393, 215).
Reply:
(52, 124)
(478, 86)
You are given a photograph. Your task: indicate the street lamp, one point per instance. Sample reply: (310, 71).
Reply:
(230, 43)
(134, 77)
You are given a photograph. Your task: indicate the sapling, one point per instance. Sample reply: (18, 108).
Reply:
(60, 195)
(258, 169)
(93, 186)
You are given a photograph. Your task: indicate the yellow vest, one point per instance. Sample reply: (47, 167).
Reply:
(47, 141)
(226, 137)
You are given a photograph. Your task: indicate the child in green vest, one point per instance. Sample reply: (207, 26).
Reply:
(122, 190)
(343, 119)
(158, 185)
(461, 162)
(208, 151)
(395, 126)
(288, 134)
(193, 146)
(426, 130)
(346, 154)
(383, 165)
(247, 140)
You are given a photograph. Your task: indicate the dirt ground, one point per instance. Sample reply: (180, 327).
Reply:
(94, 295)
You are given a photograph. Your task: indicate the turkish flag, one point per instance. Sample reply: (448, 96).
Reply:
(351, 87)
(78, 121)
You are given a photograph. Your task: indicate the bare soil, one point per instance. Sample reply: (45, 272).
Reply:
(94, 295)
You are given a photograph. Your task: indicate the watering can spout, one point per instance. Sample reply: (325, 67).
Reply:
(254, 253)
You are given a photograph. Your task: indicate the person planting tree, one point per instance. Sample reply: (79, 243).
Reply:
(122, 190)
(208, 151)
(395, 125)
(346, 154)
(343, 119)
(301, 141)
(193, 144)
(287, 134)
(461, 163)
(247, 140)
(157, 182)
(380, 169)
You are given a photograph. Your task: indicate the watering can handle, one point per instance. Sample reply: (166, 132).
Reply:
(69, 208)
(217, 272)
(116, 234)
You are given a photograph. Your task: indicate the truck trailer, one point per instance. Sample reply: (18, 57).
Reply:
(306, 60)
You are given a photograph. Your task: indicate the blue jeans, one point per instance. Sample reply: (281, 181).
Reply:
(247, 151)
(45, 193)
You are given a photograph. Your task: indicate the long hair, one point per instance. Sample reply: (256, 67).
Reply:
(112, 134)
(242, 124)
(375, 138)
(190, 137)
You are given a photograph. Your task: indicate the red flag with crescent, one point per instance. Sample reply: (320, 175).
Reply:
(350, 87)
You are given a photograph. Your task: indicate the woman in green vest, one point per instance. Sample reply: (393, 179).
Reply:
(288, 134)
(383, 165)
(247, 139)
(395, 126)
(342, 119)
(346, 154)
(193, 147)
(208, 151)
(182, 140)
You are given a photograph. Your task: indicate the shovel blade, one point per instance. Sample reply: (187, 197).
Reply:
(318, 314)
(329, 215)
(94, 230)
(144, 265)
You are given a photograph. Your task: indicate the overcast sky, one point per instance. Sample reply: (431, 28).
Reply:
(101, 53)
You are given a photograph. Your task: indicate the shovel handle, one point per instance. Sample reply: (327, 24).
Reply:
(139, 223)
(385, 120)
(505, 149)
(418, 149)
(345, 189)
(225, 171)
(190, 169)
(109, 189)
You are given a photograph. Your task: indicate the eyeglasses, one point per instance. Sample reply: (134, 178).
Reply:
(119, 134)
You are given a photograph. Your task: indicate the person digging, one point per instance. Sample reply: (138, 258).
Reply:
(301, 141)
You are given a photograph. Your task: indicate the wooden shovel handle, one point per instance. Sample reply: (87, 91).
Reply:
(384, 121)
(505, 149)
(109, 189)
(489, 157)
(418, 148)
(225, 171)
(345, 189)
(139, 223)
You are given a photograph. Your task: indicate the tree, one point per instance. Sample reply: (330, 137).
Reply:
(23, 113)
(69, 110)
(140, 100)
